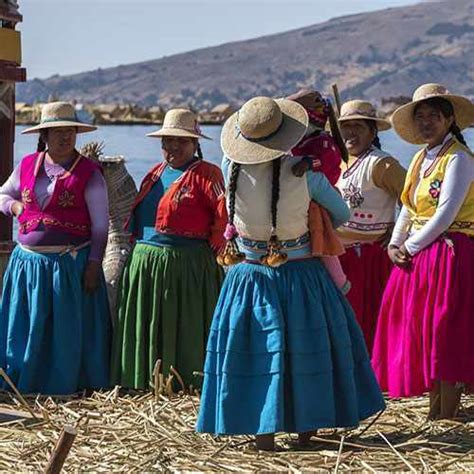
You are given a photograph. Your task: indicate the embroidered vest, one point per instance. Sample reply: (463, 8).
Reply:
(421, 193)
(372, 208)
(67, 209)
(253, 203)
(187, 208)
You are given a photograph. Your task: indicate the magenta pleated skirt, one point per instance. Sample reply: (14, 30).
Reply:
(425, 327)
(368, 269)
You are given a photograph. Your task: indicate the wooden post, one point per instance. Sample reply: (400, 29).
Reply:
(10, 72)
(61, 450)
(337, 99)
(7, 138)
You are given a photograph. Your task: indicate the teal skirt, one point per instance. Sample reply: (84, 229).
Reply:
(166, 301)
(54, 337)
(285, 354)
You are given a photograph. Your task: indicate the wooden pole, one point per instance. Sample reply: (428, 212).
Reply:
(61, 450)
(7, 137)
(9, 381)
(10, 73)
(337, 99)
(336, 134)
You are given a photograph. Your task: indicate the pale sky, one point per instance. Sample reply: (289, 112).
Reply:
(69, 36)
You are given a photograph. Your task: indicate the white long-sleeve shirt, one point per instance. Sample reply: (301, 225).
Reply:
(457, 181)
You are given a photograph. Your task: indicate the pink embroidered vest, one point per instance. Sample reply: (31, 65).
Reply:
(67, 209)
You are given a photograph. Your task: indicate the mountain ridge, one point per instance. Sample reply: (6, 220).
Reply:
(370, 55)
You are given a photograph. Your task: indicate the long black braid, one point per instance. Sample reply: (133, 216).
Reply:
(231, 254)
(275, 192)
(274, 256)
(456, 131)
(199, 154)
(373, 126)
(41, 143)
(447, 109)
(234, 175)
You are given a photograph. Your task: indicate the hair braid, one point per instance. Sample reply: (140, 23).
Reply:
(456, 131)
(199, 154)
(231, 254)
(274, 256)
(41, 144)
(275, 192)
(373, 126)
(376, 142)
(234, 175)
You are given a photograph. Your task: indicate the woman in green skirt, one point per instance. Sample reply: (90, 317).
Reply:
(171, 282)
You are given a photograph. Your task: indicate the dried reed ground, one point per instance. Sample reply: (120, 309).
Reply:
(133, 432)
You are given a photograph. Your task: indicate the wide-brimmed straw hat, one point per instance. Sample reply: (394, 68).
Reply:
(263, 130)
(362, 110)
(179, 123)
(403, 118)
(59, 114)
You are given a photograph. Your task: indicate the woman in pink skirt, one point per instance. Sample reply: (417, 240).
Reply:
(426, 321)
(370, 183)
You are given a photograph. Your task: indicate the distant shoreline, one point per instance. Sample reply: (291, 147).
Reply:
(121, 123)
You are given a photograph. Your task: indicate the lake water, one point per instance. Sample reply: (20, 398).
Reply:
(142, 152)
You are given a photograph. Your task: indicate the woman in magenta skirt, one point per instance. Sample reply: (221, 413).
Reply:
(426, 322)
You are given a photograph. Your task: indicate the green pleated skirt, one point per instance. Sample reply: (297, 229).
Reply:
(166, 301)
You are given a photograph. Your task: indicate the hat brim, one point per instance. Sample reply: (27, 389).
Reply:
(176, 132)
(382, 124)
(81, 127)
(244, 151)
(404, 122)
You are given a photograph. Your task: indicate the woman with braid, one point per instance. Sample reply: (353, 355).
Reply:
(285, 353)
(54, 314)
(426, 322)
(371, 183)
(171, 282)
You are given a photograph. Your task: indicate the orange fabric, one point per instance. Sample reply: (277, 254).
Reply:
(324, 240)
(194, 205)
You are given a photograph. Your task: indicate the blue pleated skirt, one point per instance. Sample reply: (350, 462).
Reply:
(285, 354)
(54, 337)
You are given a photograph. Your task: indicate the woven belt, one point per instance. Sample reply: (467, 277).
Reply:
(60, 249)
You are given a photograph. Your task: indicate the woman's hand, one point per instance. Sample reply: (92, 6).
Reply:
(300, 168)
(91, 277)
(385, 238)
(17, 208)
(399, 256)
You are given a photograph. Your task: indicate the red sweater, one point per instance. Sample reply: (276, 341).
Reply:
(194, 205)
(325, 155)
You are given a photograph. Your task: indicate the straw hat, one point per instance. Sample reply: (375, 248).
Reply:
(362, 110)
(263, 130)
(403, 118)
(59, 114)
(179, 123)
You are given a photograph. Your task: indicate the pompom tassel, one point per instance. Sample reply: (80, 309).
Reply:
(231, 254)
(274, 256)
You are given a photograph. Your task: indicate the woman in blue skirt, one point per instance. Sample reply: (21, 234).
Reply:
(285, 353)
(54, 314)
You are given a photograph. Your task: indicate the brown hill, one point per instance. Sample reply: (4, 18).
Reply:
(374, 55)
